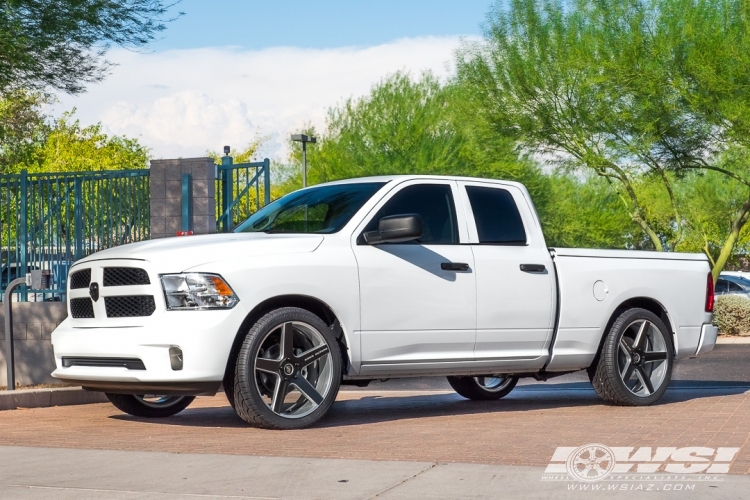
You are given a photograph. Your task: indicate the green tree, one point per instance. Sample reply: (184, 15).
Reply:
(639, 92)
(32, 140)
(70, 147)
(489, 154)
(583, 85)
(23, 128)
(401, 127)
(410, 126)
(713, 200)
(60, 44)
(712, 58)
(587, 213)
(392, 130)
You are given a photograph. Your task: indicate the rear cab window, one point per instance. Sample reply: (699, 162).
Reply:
(496, 215)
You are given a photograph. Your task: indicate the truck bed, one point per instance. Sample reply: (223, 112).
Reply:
(593, 284)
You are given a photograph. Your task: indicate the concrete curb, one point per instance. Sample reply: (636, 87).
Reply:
(733, 340)
(43, 398)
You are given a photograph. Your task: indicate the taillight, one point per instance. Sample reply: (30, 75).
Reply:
(710, 294)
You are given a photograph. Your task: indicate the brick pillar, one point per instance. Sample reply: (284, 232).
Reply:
(33, 323)
(166, 196)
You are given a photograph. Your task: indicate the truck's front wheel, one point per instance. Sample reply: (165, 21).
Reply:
(288, 370)
(635, 364)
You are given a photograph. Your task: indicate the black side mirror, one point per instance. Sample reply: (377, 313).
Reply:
(396, 229)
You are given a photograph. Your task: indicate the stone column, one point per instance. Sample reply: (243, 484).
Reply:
(166, 196)
(33, 323)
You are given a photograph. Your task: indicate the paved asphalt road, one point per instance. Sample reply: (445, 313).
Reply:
(727, 363)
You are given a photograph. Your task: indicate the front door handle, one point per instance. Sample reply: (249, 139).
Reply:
(533, 268)
(454, 266)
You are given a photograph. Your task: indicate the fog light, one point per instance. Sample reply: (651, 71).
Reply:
(175, 358)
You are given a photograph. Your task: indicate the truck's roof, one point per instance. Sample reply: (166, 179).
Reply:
(401, 178)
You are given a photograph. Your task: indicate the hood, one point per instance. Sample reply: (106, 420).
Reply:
(177, 254)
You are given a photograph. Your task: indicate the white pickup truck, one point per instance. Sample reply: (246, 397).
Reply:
(376, 278)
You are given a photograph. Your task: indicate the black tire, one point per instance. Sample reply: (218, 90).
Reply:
(257, 386)
(480, 389)
(648, 363)
(228, 386)
(133, 405)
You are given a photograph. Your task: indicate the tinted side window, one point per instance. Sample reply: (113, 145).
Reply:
(496, 215)
(721, 286)
(434, 202)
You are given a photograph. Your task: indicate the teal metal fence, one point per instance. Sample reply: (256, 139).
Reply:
(240, 187)
(50, 220)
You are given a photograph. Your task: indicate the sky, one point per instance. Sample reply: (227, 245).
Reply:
(227, 71)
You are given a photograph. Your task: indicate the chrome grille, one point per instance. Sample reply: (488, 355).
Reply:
(125, 276)
(81, 308)
(129, 306)
(80, 279)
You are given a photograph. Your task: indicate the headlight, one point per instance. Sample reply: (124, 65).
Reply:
(197, 291)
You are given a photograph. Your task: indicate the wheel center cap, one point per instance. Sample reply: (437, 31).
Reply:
(288, 369)
(636, 357)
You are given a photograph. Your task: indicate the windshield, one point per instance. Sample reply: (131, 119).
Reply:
(324, 209)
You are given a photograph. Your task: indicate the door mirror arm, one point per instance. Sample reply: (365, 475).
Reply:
(395, 229)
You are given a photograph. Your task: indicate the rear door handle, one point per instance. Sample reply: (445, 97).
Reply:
(533, 268)
(454, 266)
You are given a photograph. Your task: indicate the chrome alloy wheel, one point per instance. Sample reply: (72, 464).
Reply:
(293, 369)
(157, 401)
(494, 384)
(641, 358)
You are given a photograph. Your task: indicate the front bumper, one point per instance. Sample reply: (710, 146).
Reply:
(707, 339)
(205, 338)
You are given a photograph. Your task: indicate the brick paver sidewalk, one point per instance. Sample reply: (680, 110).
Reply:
(523, 429)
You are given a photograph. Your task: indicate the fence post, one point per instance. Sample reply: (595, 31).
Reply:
(267, 181)
(78, 216)
(8, 309)
(227, 181)
(24, 239)
(187, 203)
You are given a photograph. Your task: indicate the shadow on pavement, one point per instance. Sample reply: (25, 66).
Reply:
(721, 372)
(376, 408)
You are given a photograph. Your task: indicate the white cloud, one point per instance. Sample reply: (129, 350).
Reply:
(183, 102)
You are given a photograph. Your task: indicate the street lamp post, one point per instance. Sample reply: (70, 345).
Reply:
(304, 139)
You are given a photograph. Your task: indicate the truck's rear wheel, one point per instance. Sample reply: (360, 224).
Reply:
(148, 405)
(288, 370)
(485, 387)
(635, 364)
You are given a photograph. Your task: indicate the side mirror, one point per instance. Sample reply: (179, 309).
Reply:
(396, 229)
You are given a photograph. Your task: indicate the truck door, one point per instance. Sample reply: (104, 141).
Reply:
(417, 299)
(514, 273)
